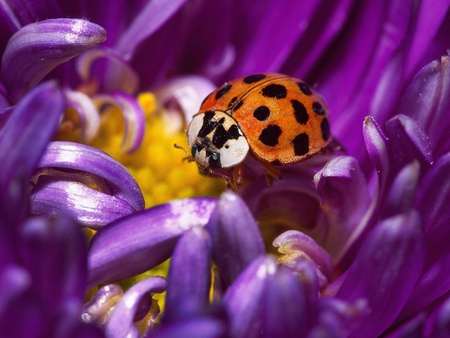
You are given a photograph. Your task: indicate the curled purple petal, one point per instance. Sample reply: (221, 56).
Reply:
(34, 50)
(244, 298)
(394, 253)
(183, 95)
(133, 115)
(140, 241)
(23, 140)
(297, 246)
(118, 76)
(235, 232)
(376, 144)
(54, 251)
(120, 323)
(189, 274)
(90, 207)
(97, 310)
(88, 112)
(345, 197)
(75, 156)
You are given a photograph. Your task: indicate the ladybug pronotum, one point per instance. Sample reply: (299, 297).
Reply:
(278, 119)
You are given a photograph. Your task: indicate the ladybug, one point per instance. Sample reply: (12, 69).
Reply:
(276, 118)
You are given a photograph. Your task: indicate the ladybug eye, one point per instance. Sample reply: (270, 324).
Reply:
(214, 161)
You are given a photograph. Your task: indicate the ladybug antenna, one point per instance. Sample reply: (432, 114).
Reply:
(188, 156)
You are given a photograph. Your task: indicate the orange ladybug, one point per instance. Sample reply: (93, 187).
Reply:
(278, 119)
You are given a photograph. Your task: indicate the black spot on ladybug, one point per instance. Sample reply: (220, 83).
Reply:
(276, 162)
(235, 104)
(269, 136)
(238, 105)
(261, 113)
(304, 88)
(221, 136)
(301, 144)
(325, 128)
(275, 91)
(300, 113)
(254, 78)
(208, 125)
(317, 107)
(222, 91)
(232, 102)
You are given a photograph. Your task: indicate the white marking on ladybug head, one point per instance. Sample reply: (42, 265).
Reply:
(216, 141)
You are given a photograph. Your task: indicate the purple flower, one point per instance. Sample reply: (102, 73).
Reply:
(361, 231)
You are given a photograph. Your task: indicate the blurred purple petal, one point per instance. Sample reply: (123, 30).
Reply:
(87, 111)
(235, 236)
(90, 207)
(120, 323)
(193, 327)
(345, 197)
(148, 20)
(54, 251)
(284, 291)
(244, 299)
(27, 132)
(39, 47)
(75, 156)
(115, 74)
(433, 203)
(133, 115)
(393, 253)
(189, 274)
(440, 321)
(146, 238)
(253, 52)
(297, 246)
(427, 100)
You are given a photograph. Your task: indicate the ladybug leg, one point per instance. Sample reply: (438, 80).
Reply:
(188, 157)
(334, 145)
(238, 175)
(271, 172)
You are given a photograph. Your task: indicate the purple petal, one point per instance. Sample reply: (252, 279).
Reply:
(39, 47)
(253, 53)
(402, 191)
(148, 20)
(440, 321)
(244, 299)
(90, 207)
(297, 247)
(133, 115)
(27, 132)
(189, 274)
(235, 235)
(87, 111)
(98, 309)
(115, 74)
(407, 142)
(433, 203)
(120, 323)
(346, 199)
(427, 100)
(385, 271)
(147, 238)
(75, 156)
(284, 291)
(54, 251)
(192, 327)
(376, 144)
